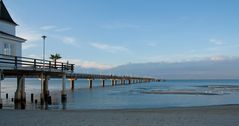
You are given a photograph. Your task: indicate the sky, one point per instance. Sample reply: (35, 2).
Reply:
(106, 33)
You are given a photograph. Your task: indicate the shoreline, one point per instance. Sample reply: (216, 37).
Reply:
(220, 115)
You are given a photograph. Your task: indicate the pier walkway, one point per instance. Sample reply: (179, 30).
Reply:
(23, 67)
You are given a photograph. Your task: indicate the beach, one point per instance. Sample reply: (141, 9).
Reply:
(227, 115)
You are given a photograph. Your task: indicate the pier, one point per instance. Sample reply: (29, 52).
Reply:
(23, 67)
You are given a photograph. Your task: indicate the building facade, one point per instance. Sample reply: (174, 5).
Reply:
(10, 44)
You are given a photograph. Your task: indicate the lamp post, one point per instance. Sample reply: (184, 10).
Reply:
(42, 74)
(44, 39)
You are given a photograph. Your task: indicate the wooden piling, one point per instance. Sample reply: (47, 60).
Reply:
(90, 83)
(103, 83)
(32, 97)
(63, 92)
(72, 82)
(113, 82)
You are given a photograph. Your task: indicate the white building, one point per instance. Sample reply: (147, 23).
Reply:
(10, 44)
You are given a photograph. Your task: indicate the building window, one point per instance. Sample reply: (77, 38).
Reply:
(8, 49)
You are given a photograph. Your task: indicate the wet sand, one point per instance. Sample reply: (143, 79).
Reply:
(195, 116)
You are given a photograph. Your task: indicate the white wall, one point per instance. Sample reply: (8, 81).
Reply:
(18, 47)
(17, 51)
(1, 46)
(7, 27)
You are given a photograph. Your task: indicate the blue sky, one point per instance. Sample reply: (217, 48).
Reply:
(107, 33)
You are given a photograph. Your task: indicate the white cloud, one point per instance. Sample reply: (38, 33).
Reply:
(28, 46)
(62, 29)
(186, 57)
(48, 27)
(120, 26)
(217, 58)
(31, 36)
(152, 44)
(109, 48)
(55, 28)
(216, 42)
(89, 64)
(70, 41)
(34, 56)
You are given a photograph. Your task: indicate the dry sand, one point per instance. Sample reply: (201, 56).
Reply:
(197, 116)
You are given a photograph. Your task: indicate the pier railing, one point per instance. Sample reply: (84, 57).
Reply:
(24, 63)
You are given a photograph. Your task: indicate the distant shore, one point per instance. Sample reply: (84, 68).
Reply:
(227, 115)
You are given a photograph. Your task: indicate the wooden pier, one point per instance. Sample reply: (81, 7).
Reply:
(23, 67)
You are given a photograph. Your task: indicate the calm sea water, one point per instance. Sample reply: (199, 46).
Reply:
(184, 93)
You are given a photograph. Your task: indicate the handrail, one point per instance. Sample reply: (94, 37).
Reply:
(16, 62)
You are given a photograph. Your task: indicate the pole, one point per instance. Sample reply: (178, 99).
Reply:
(42, 93)
(44, 50)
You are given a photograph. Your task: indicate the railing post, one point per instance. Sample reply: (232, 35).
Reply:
(35, 64)
(15, 62)
(62, 66)
(50, 65)
(72, 67)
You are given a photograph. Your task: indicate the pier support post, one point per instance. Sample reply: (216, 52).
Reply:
(129, 81)
(1, 104)
(72, 82)
(20, 94)
(63, 92)
(90, 83)
(113, 82)
(45, 94)
(116, 82)
(42, 94)
(103, 83)
(45, 89)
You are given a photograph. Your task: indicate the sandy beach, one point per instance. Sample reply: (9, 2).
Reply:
(195, 116)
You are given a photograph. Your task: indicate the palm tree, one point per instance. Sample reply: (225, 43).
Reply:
(55, 57)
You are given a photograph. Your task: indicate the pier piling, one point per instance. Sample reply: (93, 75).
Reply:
(44, 91)
(72, 82)
(113, 82)
(90, 83)
(42, 94)
(129, 81)
(103, 83)
(20, 94)
(63, 92)
(32, 97)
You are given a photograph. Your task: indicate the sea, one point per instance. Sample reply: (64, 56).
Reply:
(165, 94)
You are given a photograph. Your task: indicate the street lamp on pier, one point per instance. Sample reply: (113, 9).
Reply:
(44, 40)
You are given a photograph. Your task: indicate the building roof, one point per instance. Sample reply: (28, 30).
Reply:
(4, 14)
(9, 36)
